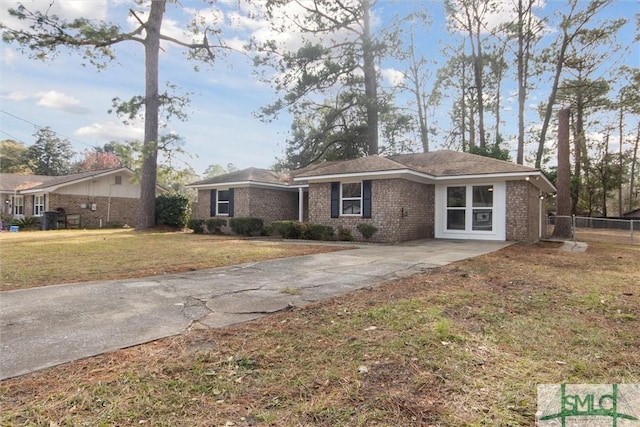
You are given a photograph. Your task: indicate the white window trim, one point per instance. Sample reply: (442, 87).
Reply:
(41, 204)
(15, 205)
(219, 202)
(498, 231)
(342, 199)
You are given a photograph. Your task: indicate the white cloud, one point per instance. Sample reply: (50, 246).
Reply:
(70, 9)
(394, 77)
(503, 13)
(111, 131)
(59, 101)
(17, 96)
(8, 56)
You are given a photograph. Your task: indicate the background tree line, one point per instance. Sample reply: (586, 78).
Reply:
(52, 155)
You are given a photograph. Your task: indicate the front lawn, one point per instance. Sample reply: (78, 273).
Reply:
(463, 345)
(41, 258)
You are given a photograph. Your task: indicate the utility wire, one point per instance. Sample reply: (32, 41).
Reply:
(41, 127)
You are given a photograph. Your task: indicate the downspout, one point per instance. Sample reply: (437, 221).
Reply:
(540, 214)
(301, 204)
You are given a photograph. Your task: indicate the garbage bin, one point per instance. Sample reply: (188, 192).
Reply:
(50, 220)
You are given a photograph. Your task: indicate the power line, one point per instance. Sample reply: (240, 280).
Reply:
(13, 137)
(38, 127)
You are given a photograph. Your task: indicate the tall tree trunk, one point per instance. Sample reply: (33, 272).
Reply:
(370, 81)
(563, 199)
(634, 162)
(149, 174)
(580, 150)
(463, 116)
(524, 52)
(605, 174)
(478, 69)
(420, 103)
(621, 137)
(552, 98)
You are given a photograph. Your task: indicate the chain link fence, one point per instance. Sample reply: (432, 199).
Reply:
(626, 231)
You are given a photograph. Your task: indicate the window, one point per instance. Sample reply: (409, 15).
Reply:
(223, 202)
(18, 205)
(480, 210)
(482, 207)
(456, 208)
(351, 198)
(38, 205)
(118, 180)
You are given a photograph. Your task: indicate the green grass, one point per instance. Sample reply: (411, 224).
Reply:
(441, 348)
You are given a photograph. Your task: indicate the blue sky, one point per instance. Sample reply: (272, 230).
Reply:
(73, 99)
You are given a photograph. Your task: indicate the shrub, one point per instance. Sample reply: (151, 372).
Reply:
(317, 232)
(287, 229)
(246, 226)
(173, 210)
(26, 223)
(197, 225)
(367, 230)
(344, 234)
(301, 230)
(214, 225)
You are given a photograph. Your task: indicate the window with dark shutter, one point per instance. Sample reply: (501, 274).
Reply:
(231, 202)
(366, 199)
(335, 199)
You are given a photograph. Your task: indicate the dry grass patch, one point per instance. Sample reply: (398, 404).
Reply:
(463, 345)
(65, 256)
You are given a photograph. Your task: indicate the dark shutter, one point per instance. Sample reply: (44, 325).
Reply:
(231, 202)
(366, 199)
(214, 200)
(33, 205)
(335, 199)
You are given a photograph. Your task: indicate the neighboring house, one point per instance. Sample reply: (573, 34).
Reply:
(442, 194)
(95, 198)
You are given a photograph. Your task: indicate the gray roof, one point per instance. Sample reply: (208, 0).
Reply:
(13, 182)
(248, 175)
(372, 163)
(455, 163)
(444, 163)
(437, 163)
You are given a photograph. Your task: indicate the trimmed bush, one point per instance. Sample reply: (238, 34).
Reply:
(344, 234)
(317, 232)
(197, 225)
(301, 230)
(367, 230)
(246, 226)
(214, 225)
(173, 210)
(287, 229)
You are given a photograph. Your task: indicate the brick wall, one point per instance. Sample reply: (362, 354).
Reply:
(201, 209)
(523, 214)
(110, 210)
(389, 199)
(270, 205)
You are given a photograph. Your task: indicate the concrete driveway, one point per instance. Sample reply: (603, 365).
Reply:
(47, 326)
